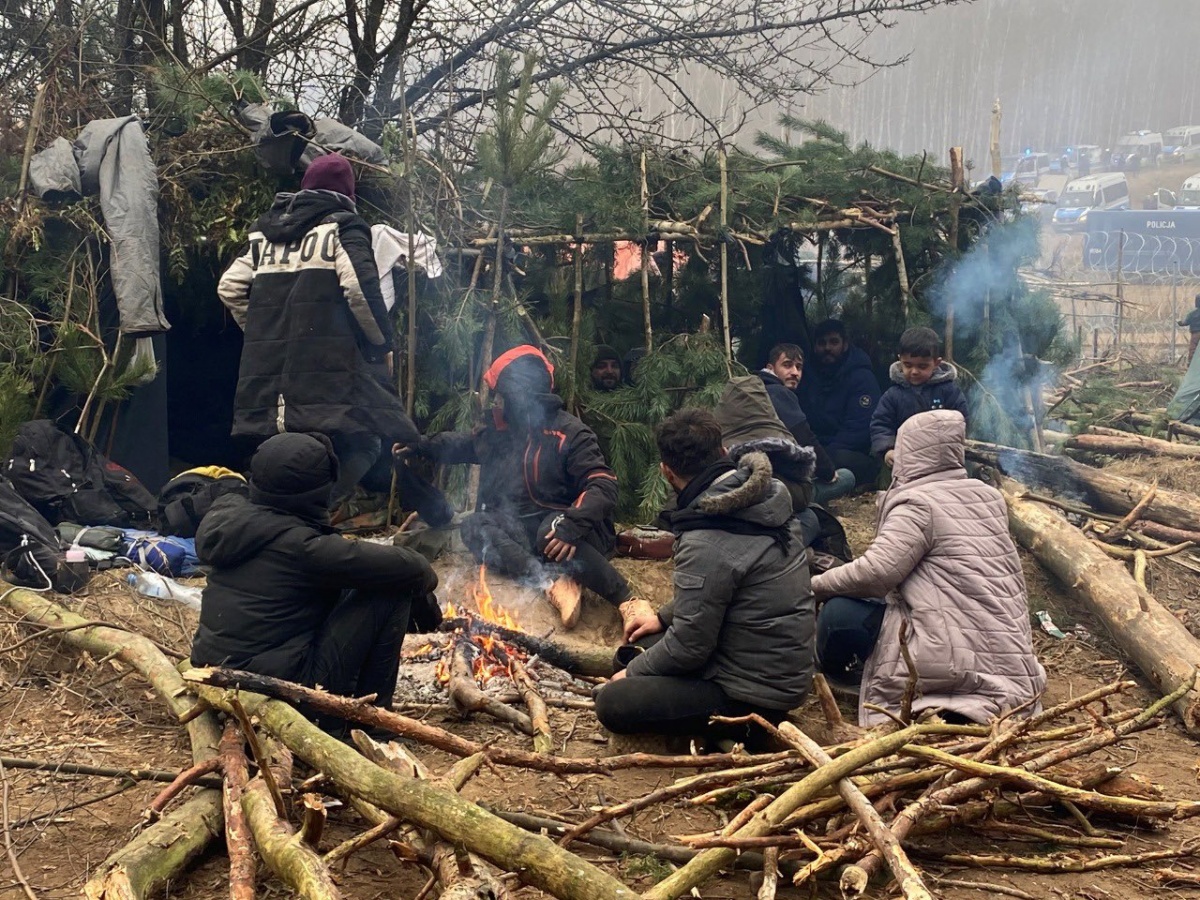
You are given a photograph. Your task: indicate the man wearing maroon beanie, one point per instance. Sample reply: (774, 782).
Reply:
(317, 337)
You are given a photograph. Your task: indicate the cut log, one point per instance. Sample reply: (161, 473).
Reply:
(1132, 445)
(1143, 628)
(469, 698)
(541, 862)
(159, 853)
(1101, 490)
(238, 846)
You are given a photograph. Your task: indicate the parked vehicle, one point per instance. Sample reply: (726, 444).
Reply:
(1137, 150)
(1085, 195)
(1162, 198)
(1182, 143)
(1188, 197)
(1025, 169)
(1082, 159)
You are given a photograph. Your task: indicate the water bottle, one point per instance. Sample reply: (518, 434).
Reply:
(151, 584)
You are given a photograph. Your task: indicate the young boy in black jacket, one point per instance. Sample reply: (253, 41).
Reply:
(921, 381)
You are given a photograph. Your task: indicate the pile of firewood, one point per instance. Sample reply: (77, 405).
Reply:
(795, 814)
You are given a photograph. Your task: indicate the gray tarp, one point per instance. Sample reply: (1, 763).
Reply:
(112, 159)
(287, 141)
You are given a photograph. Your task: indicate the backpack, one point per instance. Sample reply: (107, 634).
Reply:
(67, 480)
(30, 551)
(170, 556)
(187, 498)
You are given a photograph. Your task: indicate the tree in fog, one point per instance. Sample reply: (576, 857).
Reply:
(368, 61)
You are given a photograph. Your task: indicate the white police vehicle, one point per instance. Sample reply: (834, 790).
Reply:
(1084, 195)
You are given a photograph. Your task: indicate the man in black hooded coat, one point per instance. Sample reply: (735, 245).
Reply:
(318, 345)
(546, 494)
(290, 598)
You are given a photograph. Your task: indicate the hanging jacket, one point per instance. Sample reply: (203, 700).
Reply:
(275, 578)
(902, 401)
(742, 612)
(943, 558)
(558, 467)
(306, 294)
(839, 401)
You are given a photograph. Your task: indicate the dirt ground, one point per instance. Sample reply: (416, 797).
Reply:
(56, 704)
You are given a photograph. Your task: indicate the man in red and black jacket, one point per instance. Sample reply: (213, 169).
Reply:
(546, 494)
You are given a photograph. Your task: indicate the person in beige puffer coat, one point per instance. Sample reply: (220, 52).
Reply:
(946, 565)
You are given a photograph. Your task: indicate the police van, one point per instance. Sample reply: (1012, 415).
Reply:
(1138, 150)
(1189, 195)
(1182, 143)
(1084, 195)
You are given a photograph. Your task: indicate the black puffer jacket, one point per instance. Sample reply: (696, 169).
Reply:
(787, 407)
(275, 578)
(742, 614)
(306, 294)
(556, 467)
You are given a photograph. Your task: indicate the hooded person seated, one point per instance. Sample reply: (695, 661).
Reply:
(737, 636)
(942, 562)
(546, 495)
(290, 598)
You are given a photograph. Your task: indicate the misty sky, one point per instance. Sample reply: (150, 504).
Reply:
(1066, 72)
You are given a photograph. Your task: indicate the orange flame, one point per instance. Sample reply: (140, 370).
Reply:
(489, 609)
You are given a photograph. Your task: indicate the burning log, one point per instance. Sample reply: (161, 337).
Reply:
(1155, 640)
(469, 698)
(1102, 490)
(543, 736)
(590, 661)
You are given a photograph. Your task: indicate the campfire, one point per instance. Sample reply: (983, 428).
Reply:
(490, 656)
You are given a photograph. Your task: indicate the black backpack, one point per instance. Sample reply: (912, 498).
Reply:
(187, 498)
(67, 480)
(30, 551)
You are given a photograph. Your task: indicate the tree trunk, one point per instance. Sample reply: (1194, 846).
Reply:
(542, 863)
(1132, 444)
(1149, 635)
(1100, 490)
(242, 864)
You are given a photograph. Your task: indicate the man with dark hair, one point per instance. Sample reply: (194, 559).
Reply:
(546, 495)
(317, 337)
(838, 394)
(287, 596)
(1192, 323)
(606, 369)
(921, 382)
(782, 376)
(737, 637)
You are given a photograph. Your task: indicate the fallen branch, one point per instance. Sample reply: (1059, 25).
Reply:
(285, 854)
(596, 661)
(543, 863)
(238, 846)
(64, 768)
(468, 697)
(543, 736)
(1056, 863)
(183, 780)
(1132, 445)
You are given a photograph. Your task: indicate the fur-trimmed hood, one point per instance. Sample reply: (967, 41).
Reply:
(749, 492)
(943, 373)
(786, 457)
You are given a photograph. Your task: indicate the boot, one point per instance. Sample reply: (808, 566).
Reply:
(634, 606)
(565, 595)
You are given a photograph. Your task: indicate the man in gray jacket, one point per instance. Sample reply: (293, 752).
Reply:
(737, 637)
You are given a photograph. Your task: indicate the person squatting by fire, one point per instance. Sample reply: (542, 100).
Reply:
(546, 495)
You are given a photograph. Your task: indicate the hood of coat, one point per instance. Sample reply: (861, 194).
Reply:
(748, 492)
(930, 443)
(745, 412)
(801, 460)
(943, 373)
(292, 216)
(235, 529)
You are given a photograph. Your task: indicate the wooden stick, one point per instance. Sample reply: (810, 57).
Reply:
(1057, 863)
(829, 704)
(1002, 889)
(312, 826)
(770, 870)
(1139, 509)
(64, 768)
(348, 848)
(543, 736)
(242, 864)
(182, 780)
(13, 860)
(261, 759)
(468, 697)
(905, 873)
(647, 322)
(357, 711)
(1177, 877)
